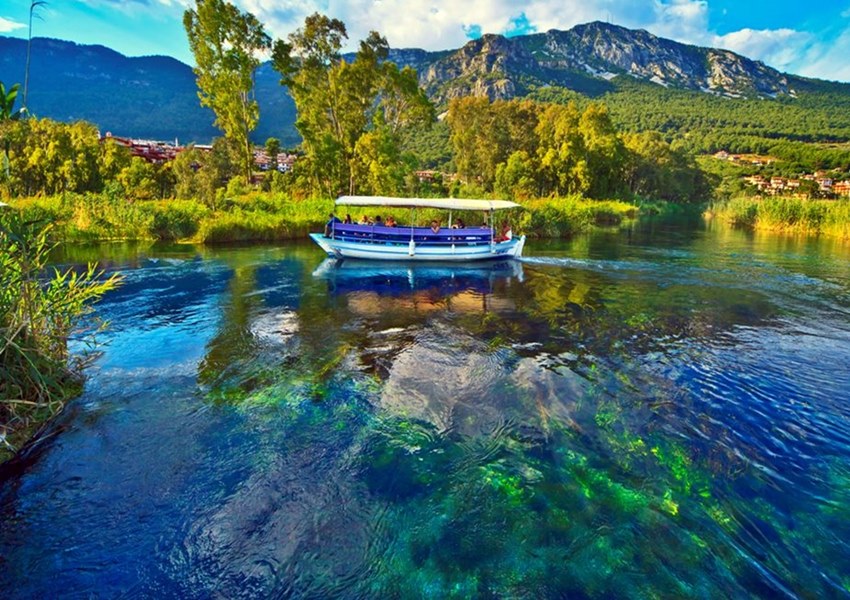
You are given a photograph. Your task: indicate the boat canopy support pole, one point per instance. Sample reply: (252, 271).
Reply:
(411, 248)
(492, 231)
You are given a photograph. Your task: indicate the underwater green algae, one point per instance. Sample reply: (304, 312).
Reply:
(640, 425)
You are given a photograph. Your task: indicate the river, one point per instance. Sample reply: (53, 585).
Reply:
(657, 413)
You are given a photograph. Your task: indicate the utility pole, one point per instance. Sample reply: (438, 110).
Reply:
(33, 5)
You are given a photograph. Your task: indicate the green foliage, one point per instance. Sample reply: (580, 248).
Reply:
(7, 114)
(225, 43)
(562, 217)
(828, 217)
(200, 174)
(7, 103)
(176, 219)
(139, 179)
(272, 150)
(341, 102)
(515, 177)
(37, 318)
(48, 157)
(525, 149)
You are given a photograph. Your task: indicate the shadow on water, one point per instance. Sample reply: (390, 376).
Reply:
(654, 414)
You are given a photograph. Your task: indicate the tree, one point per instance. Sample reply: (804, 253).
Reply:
(484, 135)
(35, 4)
(139, 180)
(515, 178)
(562, 154)
(272, 150)
(225, 43)
(339, 102)
(603, 151)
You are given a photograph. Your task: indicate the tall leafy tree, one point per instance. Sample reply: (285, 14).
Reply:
(562, 153)
(604, 151)
(272, 150)
(34, 5)
(339, 102)
(226, 44)
(484, 135)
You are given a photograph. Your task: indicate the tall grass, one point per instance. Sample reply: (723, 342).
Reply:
(562, 217)
(259, 216)
(38, 313)
(794, 215)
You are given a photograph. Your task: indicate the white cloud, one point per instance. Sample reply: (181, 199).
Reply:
(828, 61)
(780, 48)
(7, 25)
(442, 24)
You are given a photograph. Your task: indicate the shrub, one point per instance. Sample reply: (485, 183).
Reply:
(176, 219)
(37, 315)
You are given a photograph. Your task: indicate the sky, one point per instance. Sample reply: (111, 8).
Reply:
(806, 38)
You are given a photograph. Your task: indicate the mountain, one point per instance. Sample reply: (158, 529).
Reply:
(588, 56)
(156, 96)
(147, 97)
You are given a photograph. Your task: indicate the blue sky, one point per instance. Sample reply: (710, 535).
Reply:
(808, 38)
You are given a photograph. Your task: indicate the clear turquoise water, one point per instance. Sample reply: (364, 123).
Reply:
(659, 414)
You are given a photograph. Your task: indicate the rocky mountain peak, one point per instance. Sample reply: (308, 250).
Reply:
(500, 67)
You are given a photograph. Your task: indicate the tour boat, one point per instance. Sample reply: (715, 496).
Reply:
(408, 242)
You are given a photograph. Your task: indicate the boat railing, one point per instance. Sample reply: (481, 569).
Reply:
(381, 234)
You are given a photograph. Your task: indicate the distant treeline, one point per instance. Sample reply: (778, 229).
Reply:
(797, 130)
(527, 149)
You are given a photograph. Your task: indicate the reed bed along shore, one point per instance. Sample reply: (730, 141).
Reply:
(789, 215)
(259, 216)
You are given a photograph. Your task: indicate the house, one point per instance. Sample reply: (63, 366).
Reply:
(841, 188)
(825, 184)
(152, 151)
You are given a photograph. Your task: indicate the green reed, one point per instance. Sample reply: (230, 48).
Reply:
(39, 312)
(793, 215)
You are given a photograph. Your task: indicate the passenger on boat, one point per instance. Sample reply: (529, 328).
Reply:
(364, 220)
(379, 220)
(435, 226)
(459, 224)
(330, 224)
(391, 222)
(347, 219)
(506, 234)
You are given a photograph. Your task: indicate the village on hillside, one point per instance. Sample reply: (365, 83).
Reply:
(158, 152)
(820, 184)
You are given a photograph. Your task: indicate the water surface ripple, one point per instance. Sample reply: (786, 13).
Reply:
(659, 414)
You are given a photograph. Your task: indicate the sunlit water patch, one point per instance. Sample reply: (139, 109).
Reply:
(633, 416)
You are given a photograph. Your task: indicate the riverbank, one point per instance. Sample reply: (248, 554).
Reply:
(271, 217)
(787, 215)
(39, 312)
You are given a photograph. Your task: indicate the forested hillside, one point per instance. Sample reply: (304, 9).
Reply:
(148, 97)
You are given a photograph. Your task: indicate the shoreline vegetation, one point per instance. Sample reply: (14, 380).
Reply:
(830, 218)
(265, 217)
(40, 312)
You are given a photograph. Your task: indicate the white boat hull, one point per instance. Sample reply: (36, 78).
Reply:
(403, 252)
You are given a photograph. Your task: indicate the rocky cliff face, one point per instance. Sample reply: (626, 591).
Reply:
(491, 66)
(500, 67)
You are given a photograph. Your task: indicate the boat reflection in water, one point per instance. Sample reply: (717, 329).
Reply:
(371, 287)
